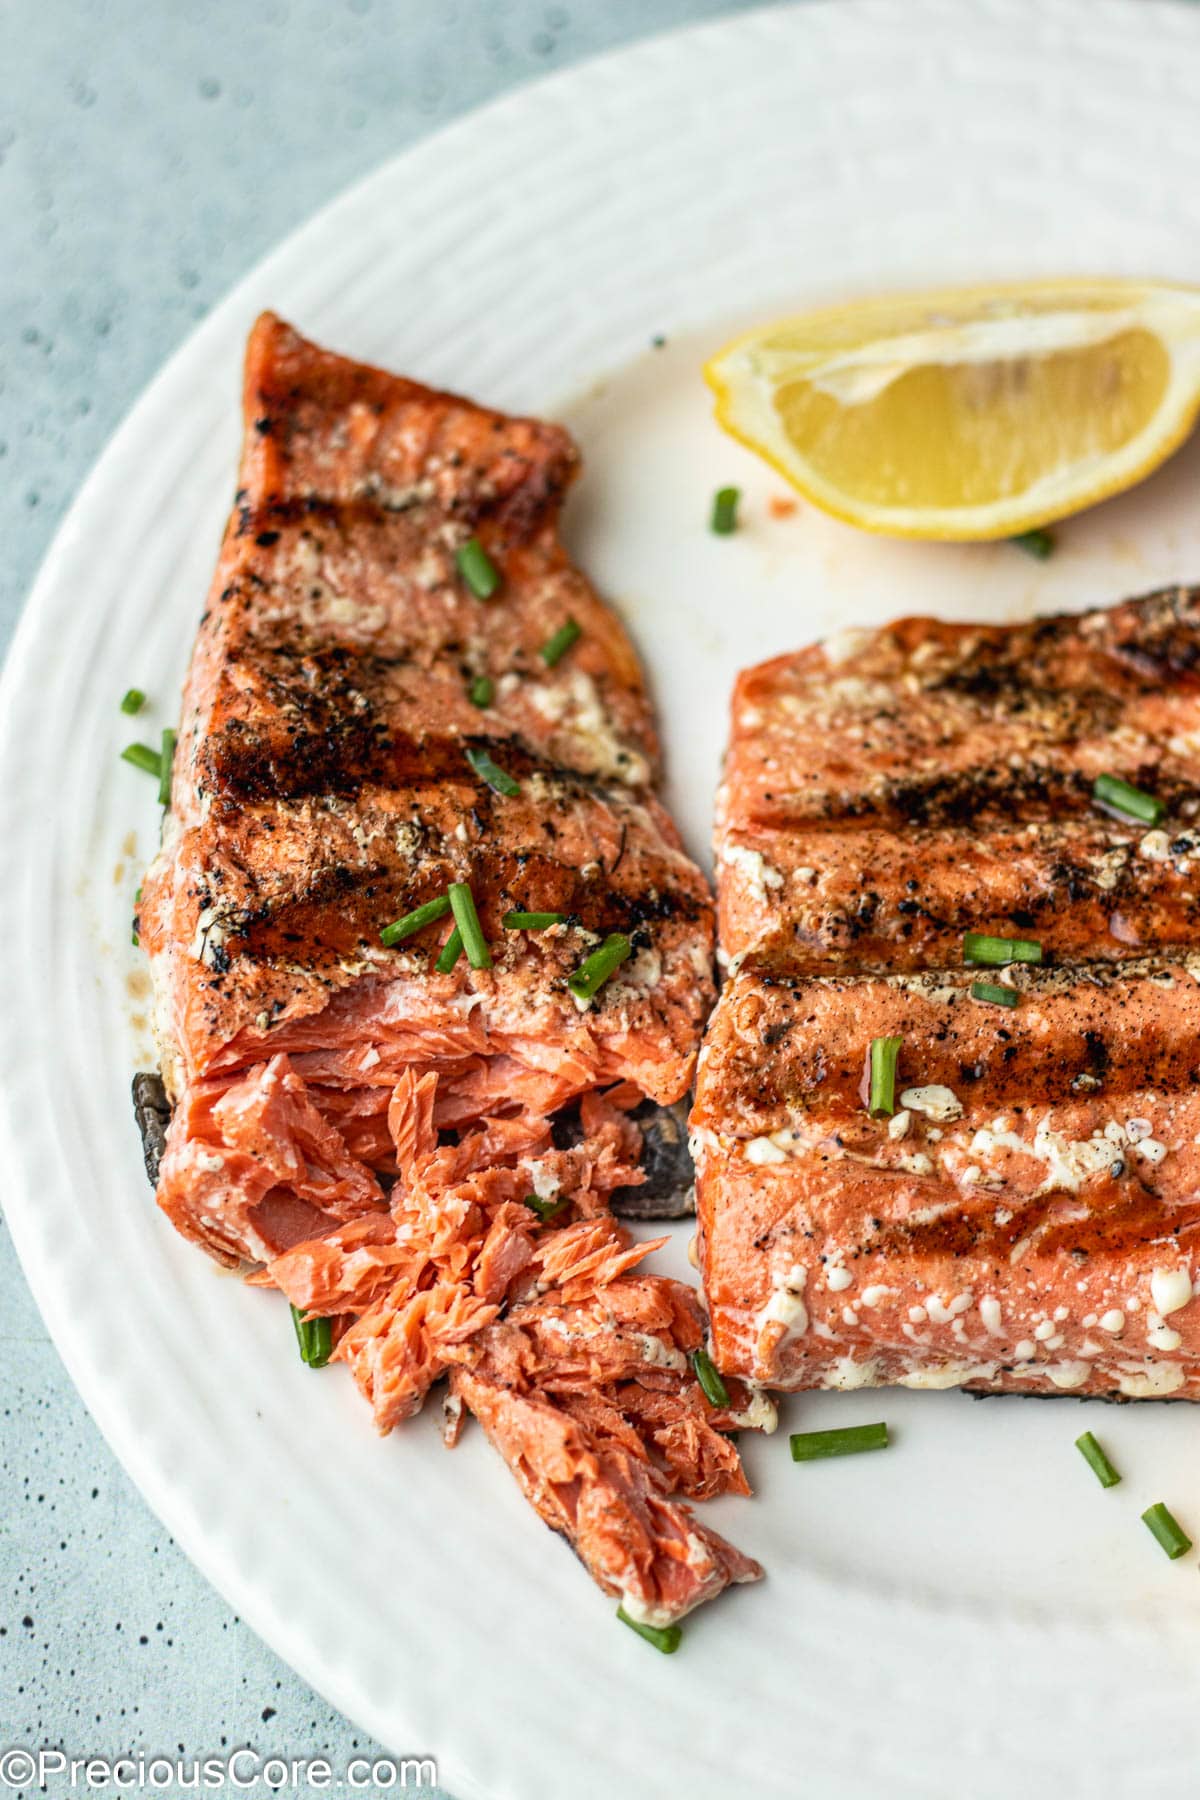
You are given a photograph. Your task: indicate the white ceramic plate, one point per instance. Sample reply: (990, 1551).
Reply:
(970, 1614)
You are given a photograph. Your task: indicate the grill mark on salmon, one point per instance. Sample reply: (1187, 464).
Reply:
(1091, 886)
(901, 726)
(364, 1129)
(776, 1047)
(393, 850)
(1027, 1220)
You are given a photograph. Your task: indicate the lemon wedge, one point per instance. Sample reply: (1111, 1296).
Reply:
(973, 412)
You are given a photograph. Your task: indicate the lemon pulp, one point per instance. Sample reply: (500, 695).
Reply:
(969, 414)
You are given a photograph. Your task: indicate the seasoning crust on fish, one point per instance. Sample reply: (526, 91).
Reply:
(1024, 1218)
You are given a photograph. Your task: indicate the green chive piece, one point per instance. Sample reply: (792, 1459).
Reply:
(994, 993)
(1096, 1460)
(885, 1053)
(482, 691)
(1039, 544)
(394, 934)
(143, 757)
(137, 901)
(477, 569)
(462, 905)
(709, 1377)
(979, 948)
(1167, 1529)
(556, 647)
(592, 974)
(451, 951)
(165, 766)
(545, 1209)
(666, 1638)
(524, 921)
(132, 701)
(496, 778)
(315, 1338)
(1131, 802)
(724, 510)
(815, 1446)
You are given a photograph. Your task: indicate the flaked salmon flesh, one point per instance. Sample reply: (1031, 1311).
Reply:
(1026, 1219)
(588, 1394)
(366, 1131)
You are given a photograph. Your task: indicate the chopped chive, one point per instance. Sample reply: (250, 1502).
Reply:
(482, 691)
(394, 934)
(709, 1377)
(1167, 1529)
(814, 1446)
(526, 921)
(451, 951)
(143, 757)
(592, 973)
(165, 766)
(1096, 1460)
(137, 901)
(545, 1209)
(724, 510)
(979, 948)
(497, 779)
(666, 1638)
(132, 701)
(1034, 543)
(885, 1053)
(1131, 802)
(556, 647)
(477, 569)
(314, 1337)
(462, 904)
(994, 993)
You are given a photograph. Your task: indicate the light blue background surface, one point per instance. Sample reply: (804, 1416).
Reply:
(150, 152)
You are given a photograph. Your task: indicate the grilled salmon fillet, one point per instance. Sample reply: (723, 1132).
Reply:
(1025, 1219)
(392, 1144)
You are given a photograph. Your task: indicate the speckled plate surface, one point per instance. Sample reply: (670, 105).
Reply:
(970, 1614)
